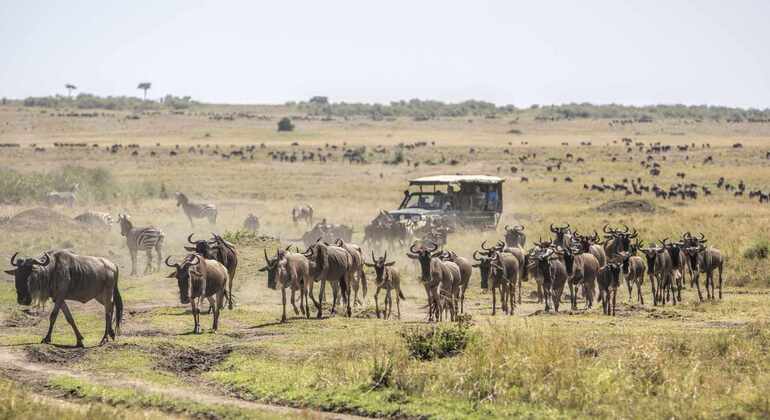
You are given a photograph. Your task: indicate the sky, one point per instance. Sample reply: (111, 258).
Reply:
(507, 52)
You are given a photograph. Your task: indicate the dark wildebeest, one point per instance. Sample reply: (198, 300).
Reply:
(437, 277)
(333, 264)
(516, 251)
(609, 281)
(705, 260)
(633, 270)
(196, 210)
(141, 239)
(62, 276)
(563, 235)
(199, 278)
(302, 212)
(388, 278)
(515, 237)
(591, 245)
(502, 271)
(290, 269)
(66, 198)
(251, 223)
(221, 250)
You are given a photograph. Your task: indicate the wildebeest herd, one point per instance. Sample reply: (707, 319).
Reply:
(592, 266)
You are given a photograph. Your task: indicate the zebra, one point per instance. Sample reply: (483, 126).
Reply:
(195, 210)
(141, 239)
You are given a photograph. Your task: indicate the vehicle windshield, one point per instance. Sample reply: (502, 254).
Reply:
(427, 201)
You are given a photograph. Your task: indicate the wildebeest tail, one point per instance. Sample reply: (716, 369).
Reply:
(401, 294)
(344, 288)
(363, 281)
(118, 301)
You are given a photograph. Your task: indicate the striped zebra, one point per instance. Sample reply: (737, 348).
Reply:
(96, 219)
(141, 239)
(195, 210)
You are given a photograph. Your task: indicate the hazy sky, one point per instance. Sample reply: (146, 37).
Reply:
(633, 52)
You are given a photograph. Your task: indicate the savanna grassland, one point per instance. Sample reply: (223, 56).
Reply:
(693, 360)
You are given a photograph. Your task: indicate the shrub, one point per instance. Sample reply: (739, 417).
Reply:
(759, 250)
(94, 183)
(285, 124)
(436, 342)
(382, 372)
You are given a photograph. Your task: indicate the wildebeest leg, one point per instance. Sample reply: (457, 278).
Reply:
(283, 300)
(388, 304)
(71, 321)
(212, 303)
(346, 278)
(293, 301)
(540, 293)
(572, 296)
(196, 315)
(398, 302)
(376, 301)
(639, 292)
(630, 289)
(654, 292)
(697, 285)
(319, 304)
(51, 322)
(159, 251)
(614, 296)
(518, 282)
(108, 309)
(494, 299)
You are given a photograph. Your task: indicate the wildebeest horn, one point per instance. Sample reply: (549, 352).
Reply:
(196, 259)
(412, 250)
(687, 235)
(338, 242)
(483, 247)
(625, 229)
(519, 228)
(267, 260)
(13, 260)
(508, 228)
(385, 258)
(608, 229)
(702, 238)
(47, 258)
(634, 234)
(175, 265)
(435, 246)
(552, 228)
(475, 255)
(374, 260)
(189, 239)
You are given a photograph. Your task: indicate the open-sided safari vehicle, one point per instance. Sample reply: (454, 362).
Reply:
(468, 200)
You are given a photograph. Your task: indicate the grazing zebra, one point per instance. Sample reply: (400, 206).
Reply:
(195, 210)
(141, 239)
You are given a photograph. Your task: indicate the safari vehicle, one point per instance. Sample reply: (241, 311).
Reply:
(466, 200)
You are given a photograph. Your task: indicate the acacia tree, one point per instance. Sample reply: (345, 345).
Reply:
(145, 86)
(70, 87)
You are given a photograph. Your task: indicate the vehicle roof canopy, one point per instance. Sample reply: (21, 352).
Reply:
(456, 179)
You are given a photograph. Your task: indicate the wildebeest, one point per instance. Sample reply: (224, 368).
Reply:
(196, 210)
(66, 198)
(500, 272)
(515, 236)
(633, 271)
(660, 273)
(302, 212)
(582, 268)
(333, 264)
(554, 274)
(96, 219)
(62, 276)
(290, 269)
(198, 278)
(609, 281)
(590, 244)
(221, 250)
(251, 223)
(705, 260)
(359, 275)
(388, 278)
(437, 277)
(141, 239)
(466, 269)
(327, 232)
(563, 235)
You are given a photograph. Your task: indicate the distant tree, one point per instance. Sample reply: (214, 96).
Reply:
(70, 87)
(285, 124)
(320, 100)
(145, 86)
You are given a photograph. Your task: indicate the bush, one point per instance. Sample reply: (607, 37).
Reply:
(436, 342)
(382, 372)
(285, 124)
(94, 184)
(759, 250)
